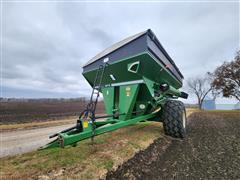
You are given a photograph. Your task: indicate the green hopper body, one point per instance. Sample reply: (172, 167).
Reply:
(137, 67)
(138, 78)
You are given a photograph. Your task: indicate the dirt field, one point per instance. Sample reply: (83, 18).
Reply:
(39, 124)
(41, 110)
(210, 151)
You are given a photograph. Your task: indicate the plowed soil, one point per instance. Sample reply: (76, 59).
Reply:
(210, 151)
(41, 111)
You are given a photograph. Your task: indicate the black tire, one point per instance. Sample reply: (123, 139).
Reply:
(174, 119)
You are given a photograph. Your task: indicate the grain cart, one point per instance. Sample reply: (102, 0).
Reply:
(139, 81)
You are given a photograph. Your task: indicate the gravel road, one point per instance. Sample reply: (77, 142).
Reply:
(210, 151)
(21, 141)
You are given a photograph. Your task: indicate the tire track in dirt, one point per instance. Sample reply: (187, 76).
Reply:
(210, 151)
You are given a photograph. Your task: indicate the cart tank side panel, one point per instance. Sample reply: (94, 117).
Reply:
(119, 99)
(149, 67)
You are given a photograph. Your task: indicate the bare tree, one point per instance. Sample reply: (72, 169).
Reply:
(200, 86)
(210, 78)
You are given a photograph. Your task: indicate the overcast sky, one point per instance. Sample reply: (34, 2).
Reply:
(46, 44)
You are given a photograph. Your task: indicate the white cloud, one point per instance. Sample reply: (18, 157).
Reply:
(45, 44)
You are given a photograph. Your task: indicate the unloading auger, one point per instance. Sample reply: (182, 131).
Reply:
(139, 81)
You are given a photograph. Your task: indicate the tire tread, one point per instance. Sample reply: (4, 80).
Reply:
(172, 119)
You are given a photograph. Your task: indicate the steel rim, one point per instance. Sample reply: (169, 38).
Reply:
(184, 120)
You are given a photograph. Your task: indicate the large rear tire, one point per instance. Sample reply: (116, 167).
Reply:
(174, 119)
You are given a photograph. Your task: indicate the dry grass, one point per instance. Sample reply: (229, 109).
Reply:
(189, 111)
(223, 111)
(86, 161)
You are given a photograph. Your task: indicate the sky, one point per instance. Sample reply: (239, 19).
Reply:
(45, 44)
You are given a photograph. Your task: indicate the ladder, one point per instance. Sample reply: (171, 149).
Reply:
(96, 88)
(89, 112)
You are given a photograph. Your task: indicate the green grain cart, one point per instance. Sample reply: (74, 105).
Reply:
(139, 81)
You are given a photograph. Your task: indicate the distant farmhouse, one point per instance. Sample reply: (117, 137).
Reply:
(208, 104)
